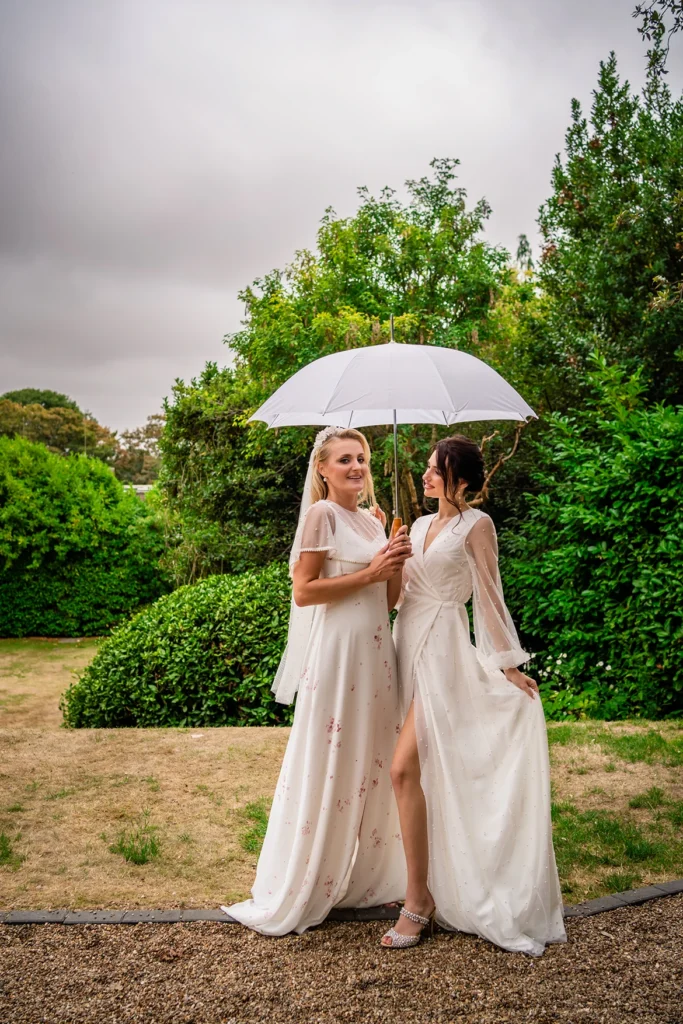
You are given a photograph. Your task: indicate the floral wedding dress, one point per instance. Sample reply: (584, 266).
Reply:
(333, 836)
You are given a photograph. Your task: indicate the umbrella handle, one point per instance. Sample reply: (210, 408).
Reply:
(395, 527)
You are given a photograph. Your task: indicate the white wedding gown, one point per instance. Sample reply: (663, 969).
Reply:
(333, 836)
(482, 743)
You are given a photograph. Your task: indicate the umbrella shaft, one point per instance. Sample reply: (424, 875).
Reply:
(395, 466)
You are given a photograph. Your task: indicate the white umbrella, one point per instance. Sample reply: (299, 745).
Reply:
(393, 383)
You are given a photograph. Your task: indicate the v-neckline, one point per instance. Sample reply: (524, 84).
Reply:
(427, 549)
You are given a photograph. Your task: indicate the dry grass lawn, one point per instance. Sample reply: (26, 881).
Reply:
(67, 797)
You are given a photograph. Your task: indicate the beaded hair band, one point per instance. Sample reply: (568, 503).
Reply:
(323, 436)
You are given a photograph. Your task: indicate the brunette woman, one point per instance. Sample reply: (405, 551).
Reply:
(470, 771)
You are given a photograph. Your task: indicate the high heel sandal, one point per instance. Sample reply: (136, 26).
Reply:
(399, 941)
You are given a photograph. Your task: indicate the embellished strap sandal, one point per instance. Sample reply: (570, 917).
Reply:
(399, 941)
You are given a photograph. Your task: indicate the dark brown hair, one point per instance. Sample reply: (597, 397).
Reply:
(459, 458)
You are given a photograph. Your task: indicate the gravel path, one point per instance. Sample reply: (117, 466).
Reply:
(617, 968)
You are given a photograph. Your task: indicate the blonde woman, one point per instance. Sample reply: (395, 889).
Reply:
(333, 836)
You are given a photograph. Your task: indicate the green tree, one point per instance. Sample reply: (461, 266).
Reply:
(233, 489)
(138, 456)
(612, 262)
(38, 396)
(230, 491)
(524, 256)
(62, 429)
(659, 21)
(423, 260)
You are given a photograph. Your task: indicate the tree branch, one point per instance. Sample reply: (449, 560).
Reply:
(483, 494)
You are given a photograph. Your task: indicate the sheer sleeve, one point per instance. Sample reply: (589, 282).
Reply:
(494, 632)
(319, 529)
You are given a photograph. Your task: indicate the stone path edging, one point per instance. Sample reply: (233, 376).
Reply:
(613, 902)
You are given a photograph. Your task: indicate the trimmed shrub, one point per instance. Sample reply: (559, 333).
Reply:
(594, 575)
(203, 655)
(78, 553)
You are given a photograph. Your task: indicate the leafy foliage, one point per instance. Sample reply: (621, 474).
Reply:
(203, 655)
(659, 21)
(613, 231)
(595, 570)
(65, 431)
(138, 456)
(77, 552)
(424, 261)
(231, 492)
(39, 396)
(56, 421)
(233, 488)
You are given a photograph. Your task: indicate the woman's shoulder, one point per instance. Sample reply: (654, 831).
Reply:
(476, 514)
(319, 511)
(421, 522)
(480, 525)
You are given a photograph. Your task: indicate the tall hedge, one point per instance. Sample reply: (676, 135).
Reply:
(595, 570)
(203, 655)
(78, 553)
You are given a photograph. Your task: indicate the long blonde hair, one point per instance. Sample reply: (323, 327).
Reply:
(319, 487)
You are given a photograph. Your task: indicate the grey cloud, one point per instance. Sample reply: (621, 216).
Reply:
(159, 154)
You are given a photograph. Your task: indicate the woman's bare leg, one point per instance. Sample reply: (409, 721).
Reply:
(412, 811)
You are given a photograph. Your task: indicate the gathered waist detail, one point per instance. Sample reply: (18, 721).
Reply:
(430, 599)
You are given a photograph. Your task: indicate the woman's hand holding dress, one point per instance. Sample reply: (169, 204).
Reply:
(525, 683)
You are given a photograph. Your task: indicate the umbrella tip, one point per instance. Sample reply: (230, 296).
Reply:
(391, 328)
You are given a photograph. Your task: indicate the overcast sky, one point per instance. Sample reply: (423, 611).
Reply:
(158, 155)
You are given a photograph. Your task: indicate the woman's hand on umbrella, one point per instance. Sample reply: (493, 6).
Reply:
(401, 544)
(525, 683)
(389, 560)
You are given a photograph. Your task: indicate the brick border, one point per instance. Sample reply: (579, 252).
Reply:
(616, 901)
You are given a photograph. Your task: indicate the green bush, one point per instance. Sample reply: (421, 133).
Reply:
(203, 655)
(232, 488)
(594, 574)
(78, 553)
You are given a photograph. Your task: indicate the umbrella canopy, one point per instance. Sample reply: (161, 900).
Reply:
(393, 383)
